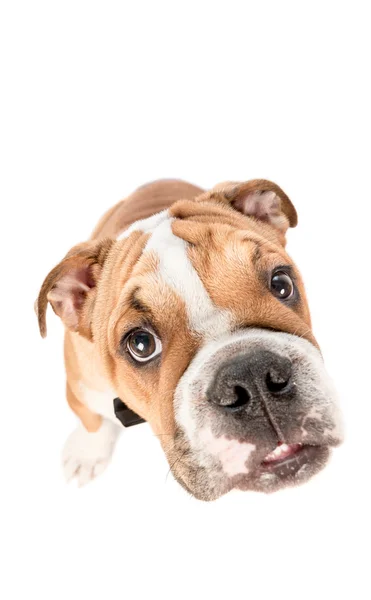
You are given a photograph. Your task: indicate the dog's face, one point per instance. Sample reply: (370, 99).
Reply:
(201, 320)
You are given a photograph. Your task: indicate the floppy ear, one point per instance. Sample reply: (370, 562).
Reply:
(70, 286)
(258, 198)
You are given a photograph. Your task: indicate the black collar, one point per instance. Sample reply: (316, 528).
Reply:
(124, 414)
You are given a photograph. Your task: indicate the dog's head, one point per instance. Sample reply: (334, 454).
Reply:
(202, 324)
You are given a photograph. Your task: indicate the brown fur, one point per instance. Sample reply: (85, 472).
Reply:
(106, 313)
(83, 361)
(145, 201)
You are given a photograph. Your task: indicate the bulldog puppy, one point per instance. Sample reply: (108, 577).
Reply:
(185, 305)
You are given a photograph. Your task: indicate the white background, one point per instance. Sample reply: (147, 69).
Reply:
(98, 98)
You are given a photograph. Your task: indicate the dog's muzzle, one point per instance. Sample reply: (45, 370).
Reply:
(256, 410)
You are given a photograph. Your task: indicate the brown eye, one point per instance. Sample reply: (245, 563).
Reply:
(282, 285)
(143, 345)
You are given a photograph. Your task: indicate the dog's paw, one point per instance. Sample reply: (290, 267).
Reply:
(86, 455)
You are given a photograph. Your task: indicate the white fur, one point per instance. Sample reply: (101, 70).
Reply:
(99, 401)
(145, 225)
(178, 272)
(232, 454)
(86, 455)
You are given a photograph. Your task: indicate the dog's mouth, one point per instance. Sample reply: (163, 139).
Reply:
(287, 459)
(286, 465)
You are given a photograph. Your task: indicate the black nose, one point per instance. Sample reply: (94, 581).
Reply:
(240, 380)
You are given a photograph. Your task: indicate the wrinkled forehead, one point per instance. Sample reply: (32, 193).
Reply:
(212, 272)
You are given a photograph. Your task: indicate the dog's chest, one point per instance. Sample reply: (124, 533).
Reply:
(89, 382)
(99, 401)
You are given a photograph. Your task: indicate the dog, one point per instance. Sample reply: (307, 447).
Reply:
(185, 310)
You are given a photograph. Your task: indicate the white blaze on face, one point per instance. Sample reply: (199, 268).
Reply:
(177, 271)
(147, 225)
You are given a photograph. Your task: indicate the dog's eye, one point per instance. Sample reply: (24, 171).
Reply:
(143, 345)
(282, 285)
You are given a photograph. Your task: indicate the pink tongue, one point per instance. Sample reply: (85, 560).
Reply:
(281, 452)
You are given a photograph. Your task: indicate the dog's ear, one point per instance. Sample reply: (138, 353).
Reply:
(257, 198)
(70, 286)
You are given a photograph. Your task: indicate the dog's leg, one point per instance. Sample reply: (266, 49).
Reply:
(88, 449)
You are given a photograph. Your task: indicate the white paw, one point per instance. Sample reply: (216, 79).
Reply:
(86, 455)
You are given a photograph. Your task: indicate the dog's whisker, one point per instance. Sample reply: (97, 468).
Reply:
(178, 459)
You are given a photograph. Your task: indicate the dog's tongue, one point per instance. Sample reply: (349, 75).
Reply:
(282, 451)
